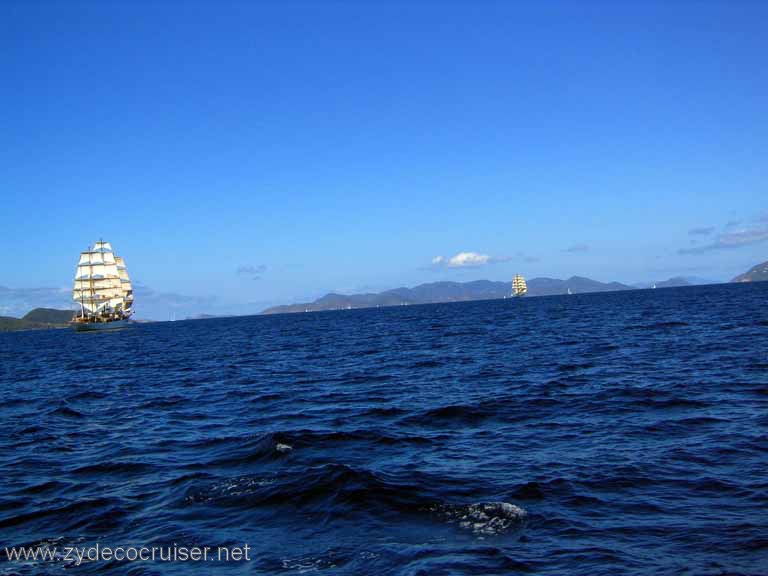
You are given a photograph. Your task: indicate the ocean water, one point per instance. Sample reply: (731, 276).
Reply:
(618, 433)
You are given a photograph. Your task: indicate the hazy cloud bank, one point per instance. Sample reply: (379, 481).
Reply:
(577, 248)
(252, 272)
(155, 305)
(731, 240)
(701, 231)
(18, 301)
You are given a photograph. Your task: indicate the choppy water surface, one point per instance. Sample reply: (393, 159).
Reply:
(621, 433)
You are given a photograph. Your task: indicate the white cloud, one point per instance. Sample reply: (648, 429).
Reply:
(466, 260)
(463, 259)
(528, 258)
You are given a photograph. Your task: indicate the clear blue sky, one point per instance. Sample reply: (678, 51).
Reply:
(343, 146)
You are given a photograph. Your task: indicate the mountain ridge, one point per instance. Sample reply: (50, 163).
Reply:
(448, 291)
(451, 291)
(758, 273)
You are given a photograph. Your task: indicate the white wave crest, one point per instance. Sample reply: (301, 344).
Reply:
(484, 518)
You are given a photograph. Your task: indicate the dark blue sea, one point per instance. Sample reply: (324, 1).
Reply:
(596, 434)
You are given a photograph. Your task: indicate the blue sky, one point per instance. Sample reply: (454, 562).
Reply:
(239, 155)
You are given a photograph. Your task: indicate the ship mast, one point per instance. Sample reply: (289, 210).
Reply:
(90, 279)
(82, 296)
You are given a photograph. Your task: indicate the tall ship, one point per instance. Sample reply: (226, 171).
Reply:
(103, 290)
(519, 287)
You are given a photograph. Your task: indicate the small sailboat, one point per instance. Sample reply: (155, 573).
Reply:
(519, 287)
(569, 292)
(103, 289)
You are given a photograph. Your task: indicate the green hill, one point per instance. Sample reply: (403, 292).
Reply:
(48, 316)
(37, 319)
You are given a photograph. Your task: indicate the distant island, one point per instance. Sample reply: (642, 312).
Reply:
(435, 292)
(757, 273)
(675, 282)
(37, 319)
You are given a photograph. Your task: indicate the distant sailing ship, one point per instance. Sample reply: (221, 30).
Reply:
(519, 287)
(103, 290)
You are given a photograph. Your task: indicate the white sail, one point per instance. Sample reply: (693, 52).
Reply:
(91, 258)
(97, 271)
(110, 292)
(90, 306)
(87, 284)
(116, 302)
(126, 280)
(100, 245)
(97, 283)
(94, 302)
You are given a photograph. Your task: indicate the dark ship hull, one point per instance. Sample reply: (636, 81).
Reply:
(95, 326)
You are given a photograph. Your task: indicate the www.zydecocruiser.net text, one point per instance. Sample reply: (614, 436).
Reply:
(99, 553)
